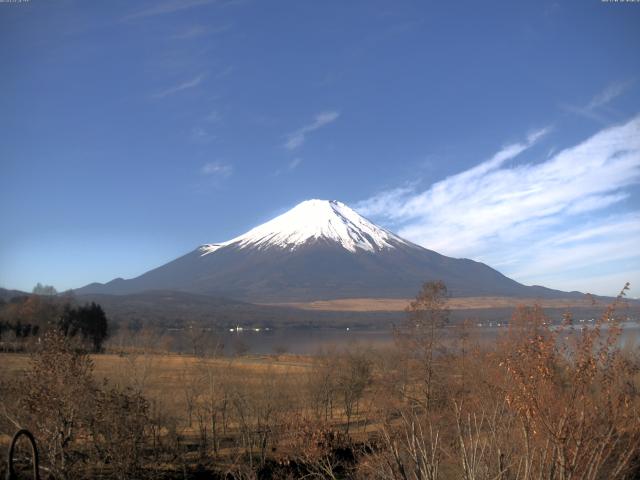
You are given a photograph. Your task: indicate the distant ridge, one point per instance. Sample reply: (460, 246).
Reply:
(320, 250)
(6, 294)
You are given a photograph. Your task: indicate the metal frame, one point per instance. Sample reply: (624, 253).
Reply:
(11, 473)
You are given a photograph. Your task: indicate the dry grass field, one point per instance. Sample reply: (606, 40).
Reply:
(462, 303)
(211, 404)
(166, 371)
(167, 378)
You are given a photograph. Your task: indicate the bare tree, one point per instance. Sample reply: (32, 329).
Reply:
(410, 450)
(354, 375)
(421, 334)
(53, 398)
(322, 383)
(119, 430)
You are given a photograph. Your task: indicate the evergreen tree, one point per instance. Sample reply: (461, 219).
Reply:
(89, 321)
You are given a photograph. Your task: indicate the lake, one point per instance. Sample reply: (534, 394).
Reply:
(309, 341)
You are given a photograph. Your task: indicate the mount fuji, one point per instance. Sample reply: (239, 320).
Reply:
(319, 250)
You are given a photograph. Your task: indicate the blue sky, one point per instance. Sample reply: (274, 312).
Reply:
(507, 132)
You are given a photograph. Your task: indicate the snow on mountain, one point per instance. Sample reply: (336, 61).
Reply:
(319, 250)
(314, 220)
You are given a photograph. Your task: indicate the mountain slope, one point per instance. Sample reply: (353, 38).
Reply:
(6, 295)
(318, 250)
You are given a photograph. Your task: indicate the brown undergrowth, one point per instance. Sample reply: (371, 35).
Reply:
(552, 402)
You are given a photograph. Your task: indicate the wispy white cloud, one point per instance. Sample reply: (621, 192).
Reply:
(295, 163)
(527, 219)
(163, 8)
(609, 283)
(205, 132)
(583, 258)
(225, 71)
(610, 93)
(404, 202)
(593, 110)
(197, 31)
(574, 247)
(217, 169)
(186, 85)
(213, 116)
(200, 135)
(292, 165)
(297, 138)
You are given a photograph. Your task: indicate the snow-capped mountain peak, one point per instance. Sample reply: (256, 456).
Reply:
(319, 250)
(315, 220)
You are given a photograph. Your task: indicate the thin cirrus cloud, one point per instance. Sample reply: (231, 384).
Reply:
(597, 108)
(213, 116)
(610, 93)
(293, 164)
(216, 169)
(163, 8)
(197, 31)
(297, 138)
(533, 221)
(186, 85)
(200, 135)
(290, 167)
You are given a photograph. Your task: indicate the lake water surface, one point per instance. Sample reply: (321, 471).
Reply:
(310, 341)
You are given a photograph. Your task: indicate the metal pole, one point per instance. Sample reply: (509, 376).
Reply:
(11, 473)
